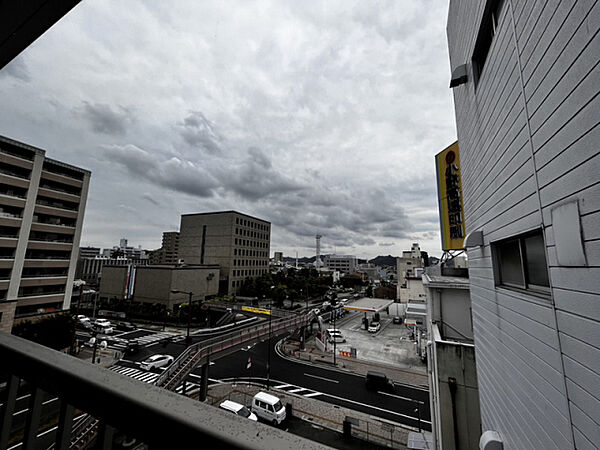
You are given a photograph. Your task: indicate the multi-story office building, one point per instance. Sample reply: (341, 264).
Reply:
(342, 263)
(42, 202)
(238, 243)
(526, 82)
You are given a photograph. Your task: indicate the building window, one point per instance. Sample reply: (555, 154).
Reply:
(520, 262)
(487, 32)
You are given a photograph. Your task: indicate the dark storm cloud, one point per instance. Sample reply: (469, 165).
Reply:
(105, 120)
(255, 178)
(16, 69)
(173, 173)
(199, 132)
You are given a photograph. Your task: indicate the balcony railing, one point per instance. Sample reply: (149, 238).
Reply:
(160, 418)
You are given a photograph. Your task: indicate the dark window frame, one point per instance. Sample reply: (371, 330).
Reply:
(526, 286)
(488, 29)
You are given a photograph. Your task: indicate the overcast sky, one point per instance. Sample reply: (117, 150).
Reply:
(318, 116)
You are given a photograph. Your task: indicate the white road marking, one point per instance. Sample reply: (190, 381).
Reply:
(293, 391)
(313, 394)
(283, 386)
(321, 378)
(377, 408)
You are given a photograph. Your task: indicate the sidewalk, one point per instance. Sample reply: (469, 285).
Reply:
(313, 355)
(365, 428)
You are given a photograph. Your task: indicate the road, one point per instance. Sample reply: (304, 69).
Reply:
(337, 387)
(326, 384)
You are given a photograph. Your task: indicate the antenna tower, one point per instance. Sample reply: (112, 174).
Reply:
(318, 257)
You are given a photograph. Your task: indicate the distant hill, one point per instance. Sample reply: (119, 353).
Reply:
(303, 260)
(388, 260)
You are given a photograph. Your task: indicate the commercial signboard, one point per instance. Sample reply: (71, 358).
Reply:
(450, 200)
(256, 310)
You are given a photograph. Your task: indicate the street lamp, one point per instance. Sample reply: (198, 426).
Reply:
(80, 284)
(190, 294)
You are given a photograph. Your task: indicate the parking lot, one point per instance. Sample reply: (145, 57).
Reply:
(390, 345)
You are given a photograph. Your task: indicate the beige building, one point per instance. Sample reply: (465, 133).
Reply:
(238, 243)
(153, 284)
(42, 202)
(413, 290)
(406, 265)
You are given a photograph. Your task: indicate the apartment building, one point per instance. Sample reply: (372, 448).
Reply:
(42, 202)
(526, 79)
(238, 243)
(168, 253)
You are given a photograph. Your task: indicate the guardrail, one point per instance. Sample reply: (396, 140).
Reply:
(153, 415)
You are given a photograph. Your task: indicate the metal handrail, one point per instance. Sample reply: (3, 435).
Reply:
(216, 344)
(155, 416)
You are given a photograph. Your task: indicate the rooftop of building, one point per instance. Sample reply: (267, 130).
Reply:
(42, 152)
(226, 212)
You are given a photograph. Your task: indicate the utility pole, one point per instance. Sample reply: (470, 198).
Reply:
(269, 357)
(333, 312)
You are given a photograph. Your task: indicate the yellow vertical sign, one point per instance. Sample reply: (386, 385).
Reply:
(450, 200)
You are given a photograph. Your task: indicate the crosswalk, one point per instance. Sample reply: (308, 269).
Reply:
(293, 389)
(149, 377)
(119, 343)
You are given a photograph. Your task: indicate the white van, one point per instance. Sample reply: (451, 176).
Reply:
(268, 407)
(237, 409)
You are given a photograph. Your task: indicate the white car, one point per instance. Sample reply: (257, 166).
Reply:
(104, 328)
(156, 361)
(238, 409)
(374, 327)
(102, 322)
(81, 318)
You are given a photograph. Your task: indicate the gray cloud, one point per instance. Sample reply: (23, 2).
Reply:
(386, 244)
(322, 117)
(199, 132)
(16, 69)
(174, 174)
(105, 120)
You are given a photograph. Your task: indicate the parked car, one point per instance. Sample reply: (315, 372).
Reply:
(337, 338)
(269, 408)
(397, 319)
(102, 322)
(82, 318)
(156, 361)
(238, 409)
(104, 328)
(126, 326)
(374, 327)
(377, 381)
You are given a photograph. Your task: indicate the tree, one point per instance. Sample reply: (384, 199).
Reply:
(55, 332)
